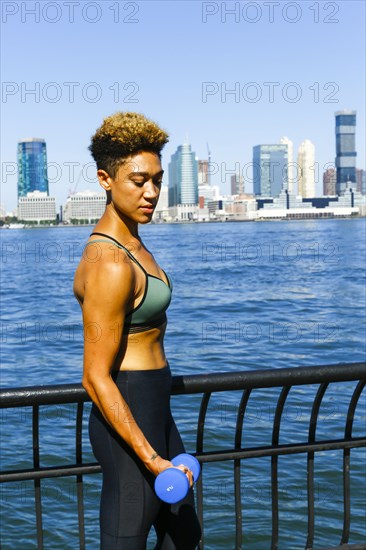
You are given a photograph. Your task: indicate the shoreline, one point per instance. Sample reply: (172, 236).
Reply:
(190, 222)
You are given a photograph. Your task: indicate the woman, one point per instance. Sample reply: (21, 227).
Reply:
(124, 295)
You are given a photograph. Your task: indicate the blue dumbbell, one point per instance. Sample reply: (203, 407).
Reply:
(172, 485)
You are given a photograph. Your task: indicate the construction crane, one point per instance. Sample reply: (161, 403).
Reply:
(208, 165)
(72, 191)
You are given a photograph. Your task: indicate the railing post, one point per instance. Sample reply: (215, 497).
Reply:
(346, 463)
(79, 477)
(37, 482)
(199, 449)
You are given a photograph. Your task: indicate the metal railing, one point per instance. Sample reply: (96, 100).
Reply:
(285, 378)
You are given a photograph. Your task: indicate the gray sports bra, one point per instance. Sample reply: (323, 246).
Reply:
(151, 311)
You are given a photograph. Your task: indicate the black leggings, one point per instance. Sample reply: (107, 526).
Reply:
(129, 506)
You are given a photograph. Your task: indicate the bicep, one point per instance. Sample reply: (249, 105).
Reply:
(106, 298)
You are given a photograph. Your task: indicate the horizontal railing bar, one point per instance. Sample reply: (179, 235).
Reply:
(215, 456)
(43, 395)
(258, 452)
(48, 472)
(344, 547)
(196, 383)
(269, 378)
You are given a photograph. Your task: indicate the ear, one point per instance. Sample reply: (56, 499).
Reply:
(104, 179)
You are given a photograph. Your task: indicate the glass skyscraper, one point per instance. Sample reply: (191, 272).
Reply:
(32, 166)
(183, 176)
(270, 169)
(345, 149)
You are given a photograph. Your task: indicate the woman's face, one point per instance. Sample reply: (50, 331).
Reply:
(135, 189)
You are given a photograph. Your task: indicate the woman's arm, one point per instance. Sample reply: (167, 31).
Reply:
(109, 288)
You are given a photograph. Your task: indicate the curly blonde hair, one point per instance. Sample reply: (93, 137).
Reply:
(122, 135)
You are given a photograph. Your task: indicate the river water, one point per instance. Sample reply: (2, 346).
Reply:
(246, 296)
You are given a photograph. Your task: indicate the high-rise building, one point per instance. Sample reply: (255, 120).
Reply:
(306, 169)
(345, 149)
(32, 166)
(360, 178)
(203, 175)
(329, 182)
(237, 184)
(183, 177)
(269, 169)
(291, 175)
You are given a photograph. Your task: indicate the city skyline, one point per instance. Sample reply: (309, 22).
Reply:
(300, 179)
(313, 169)
(228, 85)
(273, 170)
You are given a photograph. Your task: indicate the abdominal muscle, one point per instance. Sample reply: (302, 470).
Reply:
(142, 351)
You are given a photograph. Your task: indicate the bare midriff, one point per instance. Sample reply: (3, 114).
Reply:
(143, 350)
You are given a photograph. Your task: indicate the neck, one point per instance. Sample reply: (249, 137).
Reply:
(113, 221)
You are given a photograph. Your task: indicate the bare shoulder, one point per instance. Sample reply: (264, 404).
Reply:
(104, 272)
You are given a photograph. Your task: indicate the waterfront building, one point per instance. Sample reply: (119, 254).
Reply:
(329, 181)
(207, 193)
(216, 208)
(243, 207)
(183, 213)
(32, 166)
(306, 169)
(351, 196)
(203, 214)
(270, 169)
(37, 207)
(291, 174)
(345, 129)
(183, 177)
(237, 184)
(287, 206)
(85, 207)
(361, 181)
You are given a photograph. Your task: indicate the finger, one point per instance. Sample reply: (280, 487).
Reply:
(188, 473)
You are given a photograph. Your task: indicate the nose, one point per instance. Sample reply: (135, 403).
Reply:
(151, 190)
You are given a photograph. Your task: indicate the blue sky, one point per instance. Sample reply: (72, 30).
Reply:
(292, 64)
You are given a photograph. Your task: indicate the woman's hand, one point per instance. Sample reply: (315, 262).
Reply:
(158, 464)
(188, 473)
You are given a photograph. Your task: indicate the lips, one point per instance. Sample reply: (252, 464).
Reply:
(149, 208)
